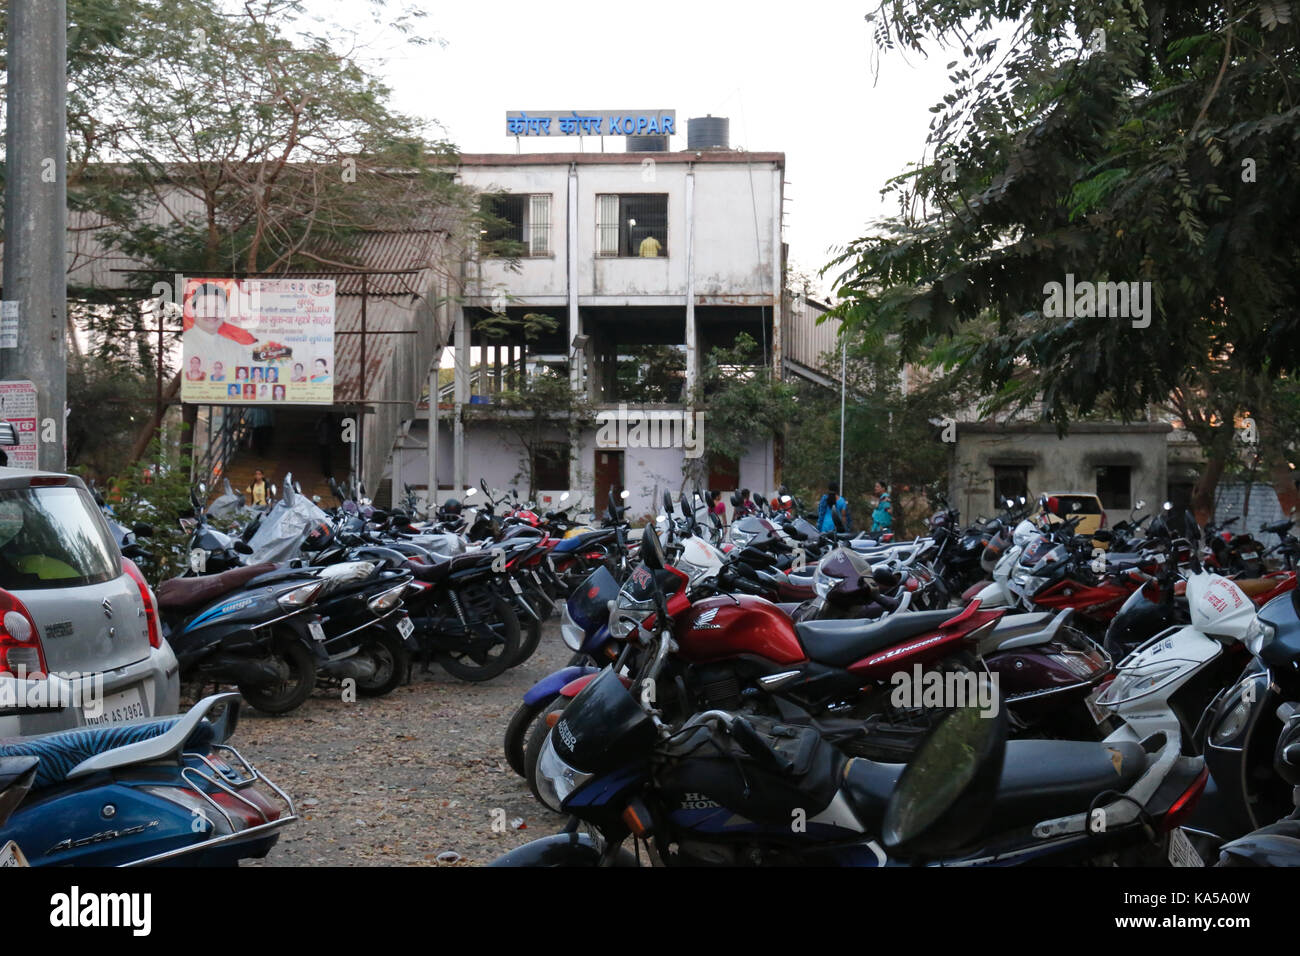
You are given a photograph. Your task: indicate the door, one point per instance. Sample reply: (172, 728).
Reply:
(609, 474)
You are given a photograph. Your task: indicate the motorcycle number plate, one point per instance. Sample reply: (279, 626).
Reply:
(198, 560)
(317, 630)
(1181, 851)
(514, 586)
(405, 627)
(1249, 555)
(11, 855)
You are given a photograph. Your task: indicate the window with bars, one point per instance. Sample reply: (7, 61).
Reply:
(516, 225)
(632, 224)
(1009, 481)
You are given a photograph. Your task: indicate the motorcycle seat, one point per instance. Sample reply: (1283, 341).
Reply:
(61, 751)
(841, 643)
(1041, 780)
(1254, 587)
(580, 541)
(184, 594)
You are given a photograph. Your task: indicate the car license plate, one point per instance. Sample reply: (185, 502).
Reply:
(11, 855)
(514, 586)
(1181, 851)
(405, 627)
(317, 630)
(118, 708)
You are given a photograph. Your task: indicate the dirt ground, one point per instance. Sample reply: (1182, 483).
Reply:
(407, 778)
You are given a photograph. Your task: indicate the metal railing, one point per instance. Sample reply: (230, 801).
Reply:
(222, 444)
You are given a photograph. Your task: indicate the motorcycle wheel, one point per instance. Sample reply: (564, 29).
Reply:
(517, 731)
(487, 661)
(537, 735)
(392, 661)
(531, 637)
(290, 695)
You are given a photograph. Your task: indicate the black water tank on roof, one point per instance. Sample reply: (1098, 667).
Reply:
(708, 132)
(647, 144)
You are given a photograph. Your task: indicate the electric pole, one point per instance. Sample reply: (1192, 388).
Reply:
(35, 256)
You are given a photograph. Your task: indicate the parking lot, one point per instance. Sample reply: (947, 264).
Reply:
(403, 779)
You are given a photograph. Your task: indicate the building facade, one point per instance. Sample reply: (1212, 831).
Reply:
(618, 272)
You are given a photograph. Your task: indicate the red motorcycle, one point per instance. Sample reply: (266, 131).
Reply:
(734, 651)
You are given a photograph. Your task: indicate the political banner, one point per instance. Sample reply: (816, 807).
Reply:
(258, 341)
(18, 405)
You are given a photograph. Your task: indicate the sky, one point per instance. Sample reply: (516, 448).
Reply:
(793, 78)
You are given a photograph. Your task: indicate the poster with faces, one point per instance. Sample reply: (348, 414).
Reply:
(258, 341)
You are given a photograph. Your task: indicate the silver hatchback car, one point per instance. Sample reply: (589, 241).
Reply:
(80, 639)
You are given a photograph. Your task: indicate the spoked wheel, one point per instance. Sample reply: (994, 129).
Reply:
(298, 670)
(487, 649)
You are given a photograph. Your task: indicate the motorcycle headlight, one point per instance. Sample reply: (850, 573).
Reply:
(570, 633)
(741, 539)
(621, 626)
(1130, 686)
(556, 780)
(1258, 634)
(1233, 722)
(300, 597)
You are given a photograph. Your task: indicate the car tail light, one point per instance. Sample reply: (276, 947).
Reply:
(46, 481)
(146, 596)
(20, 642)
(1182, 807)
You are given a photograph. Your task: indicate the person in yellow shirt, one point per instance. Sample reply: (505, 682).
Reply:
(258, 488)
(649, 247)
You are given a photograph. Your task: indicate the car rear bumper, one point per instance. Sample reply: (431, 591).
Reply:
(62, 704)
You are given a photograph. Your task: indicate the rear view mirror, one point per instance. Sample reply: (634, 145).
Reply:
(945, 795)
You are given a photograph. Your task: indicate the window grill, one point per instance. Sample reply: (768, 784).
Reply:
(633, 224)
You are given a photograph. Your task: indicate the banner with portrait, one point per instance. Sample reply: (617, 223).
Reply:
(258, 341)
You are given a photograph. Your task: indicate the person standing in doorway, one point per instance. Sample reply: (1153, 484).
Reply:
(718, 508)
(882, 519)
(830, 510)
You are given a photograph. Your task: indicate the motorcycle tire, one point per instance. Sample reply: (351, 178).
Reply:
(392, 663)
(537, 735)
(282, 698)
(517, 731)
(530, 638)
(464, 665)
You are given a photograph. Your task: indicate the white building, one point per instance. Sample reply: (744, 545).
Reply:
(623, 251)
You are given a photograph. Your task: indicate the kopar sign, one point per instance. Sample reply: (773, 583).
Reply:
(258, 341)
(592, 123)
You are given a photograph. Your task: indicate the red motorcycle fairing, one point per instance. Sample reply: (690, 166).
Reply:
(927, 647)
(729, 626)
(1100, 602)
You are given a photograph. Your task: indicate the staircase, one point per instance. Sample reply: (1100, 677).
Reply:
(293, 449)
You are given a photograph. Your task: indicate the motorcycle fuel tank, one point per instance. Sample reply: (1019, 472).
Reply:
(728, 626)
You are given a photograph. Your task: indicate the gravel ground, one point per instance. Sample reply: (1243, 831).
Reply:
(403, 779)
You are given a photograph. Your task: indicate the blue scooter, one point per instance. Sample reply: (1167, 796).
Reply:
(164, 791)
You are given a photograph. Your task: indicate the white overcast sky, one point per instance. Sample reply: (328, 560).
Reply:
(795, 78)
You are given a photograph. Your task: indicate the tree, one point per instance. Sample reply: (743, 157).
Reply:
(1107, 143)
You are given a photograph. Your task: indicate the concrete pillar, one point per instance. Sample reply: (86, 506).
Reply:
(575, 324)
(461, 396)
(692, 346)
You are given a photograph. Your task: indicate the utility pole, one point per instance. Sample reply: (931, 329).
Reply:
(35, 254)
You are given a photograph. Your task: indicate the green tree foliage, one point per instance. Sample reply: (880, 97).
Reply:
(156, 492)
(1115, 141)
